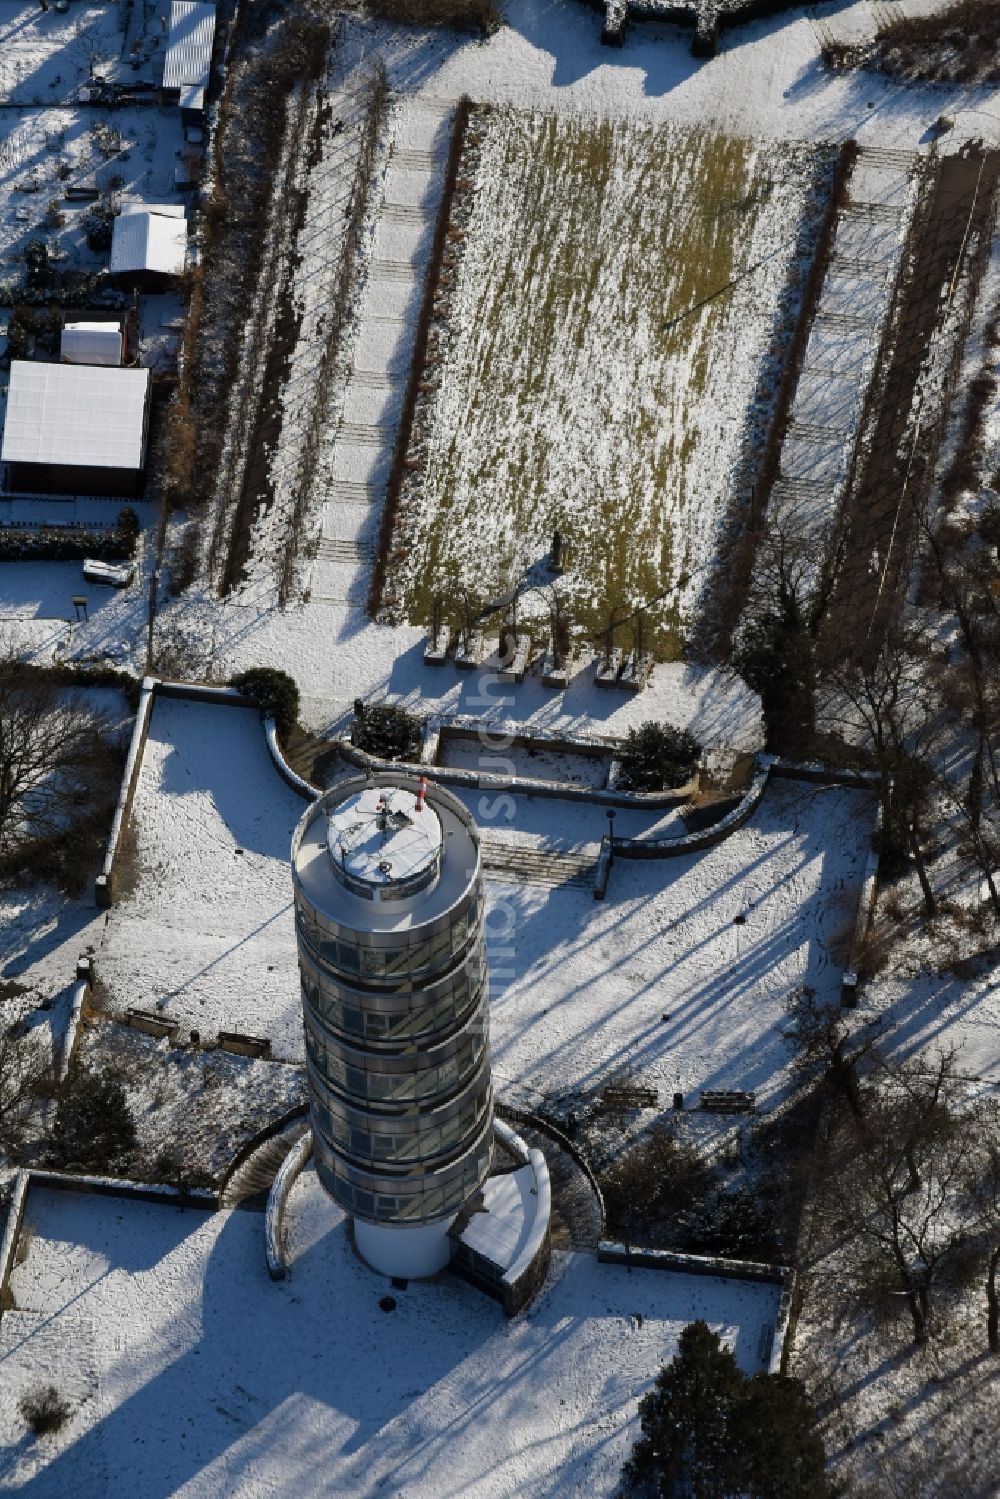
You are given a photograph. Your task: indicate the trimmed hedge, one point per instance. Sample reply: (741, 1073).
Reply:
(68, 544)
(80, 676)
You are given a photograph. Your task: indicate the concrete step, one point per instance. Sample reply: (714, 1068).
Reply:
(392, 270)
(364, 435)
(414, 160)
(337, 549)
(356, 493)
(259, 1170)
(530, 866)
(406, 213)
(890, 156)
(883, 213)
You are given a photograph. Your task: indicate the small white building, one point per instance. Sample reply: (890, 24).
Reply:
(91, 343)
(187, 65)
(149, 241)
(76, 428)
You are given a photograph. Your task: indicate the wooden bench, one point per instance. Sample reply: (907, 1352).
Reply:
(729, 1103)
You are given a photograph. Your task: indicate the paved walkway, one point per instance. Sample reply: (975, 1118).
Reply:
(356, 465)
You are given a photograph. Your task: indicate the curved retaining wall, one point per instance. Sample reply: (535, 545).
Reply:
(521, 1116)
(277, 1200)
(290, 777)
(487, 781)
(768, 766)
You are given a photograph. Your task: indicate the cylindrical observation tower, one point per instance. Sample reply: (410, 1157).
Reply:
(387, 876)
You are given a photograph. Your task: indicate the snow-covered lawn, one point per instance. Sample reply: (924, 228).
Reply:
(191, 1372)
(682, 974)
(603, 354)
(45, 56)
(208, 935)
(580, 988)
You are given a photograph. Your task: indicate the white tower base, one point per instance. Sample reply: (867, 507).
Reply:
(409, 1252)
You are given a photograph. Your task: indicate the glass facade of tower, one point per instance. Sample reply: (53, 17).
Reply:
(389, 917)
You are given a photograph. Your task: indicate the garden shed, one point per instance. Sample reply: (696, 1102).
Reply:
(91, 343)
(187, 65)
(150, 242)
(75, 428)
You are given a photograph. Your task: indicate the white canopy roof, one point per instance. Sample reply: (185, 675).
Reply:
(75, 415)
(152, 237)
(91, 343)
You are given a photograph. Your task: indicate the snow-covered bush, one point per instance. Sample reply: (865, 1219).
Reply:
(274, 692)
(657, 756)
(386, 730)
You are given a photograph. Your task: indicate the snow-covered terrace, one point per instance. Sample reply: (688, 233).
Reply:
(189, 1371)
(682, 973)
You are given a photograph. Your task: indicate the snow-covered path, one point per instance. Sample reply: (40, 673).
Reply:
(359, 449)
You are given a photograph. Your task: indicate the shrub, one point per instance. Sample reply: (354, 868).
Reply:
(44, 1409)
(656, 756)
(648, 1191)
(94, 1126)
(54, 216)
(275, 694)
(65, 544)
(386, 730)
(98, 225)
(484, 16)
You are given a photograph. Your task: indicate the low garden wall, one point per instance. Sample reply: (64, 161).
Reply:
(610, 1252)
(708, 17)
(475, 780)
(104, 885)
(103, 1186)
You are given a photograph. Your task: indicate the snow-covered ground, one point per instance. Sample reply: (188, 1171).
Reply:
(208, 933)
(713, 941)
(190, 1372)
(46, 57)
(682, 975)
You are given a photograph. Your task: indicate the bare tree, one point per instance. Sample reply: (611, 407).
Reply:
(23, 1066)
(983, 1186)
(53, 758)
(827, 1050)
(895, 1177)
(886, 703)
(776, 651)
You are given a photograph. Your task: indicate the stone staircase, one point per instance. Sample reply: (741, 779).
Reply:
(535, 866)
(258, 1171)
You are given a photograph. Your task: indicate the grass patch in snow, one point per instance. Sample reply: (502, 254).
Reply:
(572, 387)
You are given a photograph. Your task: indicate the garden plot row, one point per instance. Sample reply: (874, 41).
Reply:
(612, 296)
(841, 354)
